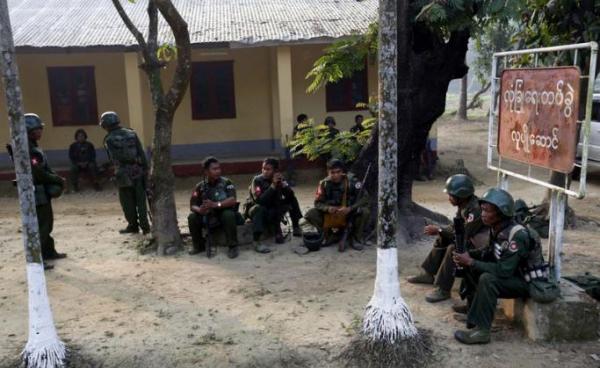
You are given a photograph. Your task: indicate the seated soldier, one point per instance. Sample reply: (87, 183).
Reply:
(337, 203)
(438, 266)
(269, 199)
(494, 271)
(213, 204)
(83, 159)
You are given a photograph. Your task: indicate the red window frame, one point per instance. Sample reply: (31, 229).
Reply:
(208, 77)
(68, 85)
(340, 95)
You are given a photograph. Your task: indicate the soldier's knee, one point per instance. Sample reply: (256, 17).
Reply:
(487, 279)
(257, 211)
(228, 216)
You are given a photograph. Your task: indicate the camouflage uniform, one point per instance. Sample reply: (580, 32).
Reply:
(126, 152)
(83, 158)
(228, 218)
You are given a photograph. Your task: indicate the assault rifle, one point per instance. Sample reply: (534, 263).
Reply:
(350, 223)
(459, 240)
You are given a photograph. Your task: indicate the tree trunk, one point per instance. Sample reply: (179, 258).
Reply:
(462, 102)
(475, 101)
(44, 348)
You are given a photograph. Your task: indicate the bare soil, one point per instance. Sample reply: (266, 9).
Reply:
(119, 308)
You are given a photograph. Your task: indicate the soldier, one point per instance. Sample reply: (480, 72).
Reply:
(300, 119)
(337, 197)
(494, 271)
(47, 185)
(438, 266)
(332, 131)
(357, 128)
(125, 150)
(83, 158)
(270, 198)
(213, 203)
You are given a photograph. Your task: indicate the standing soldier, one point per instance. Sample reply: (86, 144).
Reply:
(47, 185)
(83, 158)
(131, 167)
(495, 271)
(270, 198)
(438, 266)
(337, 202)
(213, 204)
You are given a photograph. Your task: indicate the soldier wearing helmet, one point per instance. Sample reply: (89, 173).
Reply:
(47, 185)
(494, 271)
(131, 167)
(438, 267)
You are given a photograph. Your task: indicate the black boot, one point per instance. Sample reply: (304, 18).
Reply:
(130, 230)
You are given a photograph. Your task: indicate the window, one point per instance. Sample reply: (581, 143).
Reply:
(73, 95)
(212, 89)
(346, 93)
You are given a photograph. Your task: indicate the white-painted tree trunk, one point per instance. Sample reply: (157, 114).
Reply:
(44, 349)
(387, 317)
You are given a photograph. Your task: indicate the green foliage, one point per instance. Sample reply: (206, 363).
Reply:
(493, 37)
(166, 52)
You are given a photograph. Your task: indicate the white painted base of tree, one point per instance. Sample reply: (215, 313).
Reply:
(387, 316)
(44, 349)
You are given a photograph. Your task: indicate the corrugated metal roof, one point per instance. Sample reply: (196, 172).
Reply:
(88, 23)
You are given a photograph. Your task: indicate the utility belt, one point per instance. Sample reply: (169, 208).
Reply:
(536, 272)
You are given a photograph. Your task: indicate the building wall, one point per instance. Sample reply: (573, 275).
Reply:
(110, 95)
(314, 105)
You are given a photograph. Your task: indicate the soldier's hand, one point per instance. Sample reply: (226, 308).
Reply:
(344, 211)
(332, 209)
(462, 259)
(431, 230)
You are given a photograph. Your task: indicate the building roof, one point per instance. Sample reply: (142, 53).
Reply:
(96, 23)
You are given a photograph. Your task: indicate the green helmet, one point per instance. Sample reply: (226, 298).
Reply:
(109, 119)
(312, 240)
(460, 186)
(501, 199)
(33, 122)
(521, 206)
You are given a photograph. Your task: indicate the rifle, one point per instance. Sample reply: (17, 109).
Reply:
(459, 240)
(149, 194)
(350, 223)
(206, 223)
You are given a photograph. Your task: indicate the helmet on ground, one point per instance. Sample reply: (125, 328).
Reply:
(501, 199)
(312, 240)
(33, 122)
(460, 186)
(109, 119)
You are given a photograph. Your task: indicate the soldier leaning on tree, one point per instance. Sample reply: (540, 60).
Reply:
(131, 168)
(438, 267)
(47, 184)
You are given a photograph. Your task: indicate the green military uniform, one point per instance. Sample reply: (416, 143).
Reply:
(83, 159)
(330, 194)
(439, 261)
(496, 272)
(266, 205)
(46, 183)
(218, 191)
(126, 152)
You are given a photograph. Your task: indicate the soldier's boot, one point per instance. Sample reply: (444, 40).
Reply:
(460, 308)
(279, 238)
(424, 278)
(437, 295)
(130, 229)
(56, 255)
(48, 266)
(475, 336)
(355, 244)
(233, 252)
(145, 230)
(260, 247)
(197, 248)
(296, 230)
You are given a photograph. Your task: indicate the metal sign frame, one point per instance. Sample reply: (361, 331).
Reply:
(558, 196)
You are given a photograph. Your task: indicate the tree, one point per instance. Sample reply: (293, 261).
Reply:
(437, 37)
(162, 180)
(389, 336)
(44, 348)
(462, 101)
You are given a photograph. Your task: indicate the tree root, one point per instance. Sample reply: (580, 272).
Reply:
(406, 353)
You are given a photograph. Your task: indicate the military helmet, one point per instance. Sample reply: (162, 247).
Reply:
(501, 199)
(521, 206)
(109, 119)
(33, 122)
(460, 186)
(312, 240)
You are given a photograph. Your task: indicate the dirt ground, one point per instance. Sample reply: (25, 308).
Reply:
(122, 309)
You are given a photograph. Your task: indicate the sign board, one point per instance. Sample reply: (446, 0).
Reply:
(538, 116)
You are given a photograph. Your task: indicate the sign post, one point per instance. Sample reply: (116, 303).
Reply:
(534, 123)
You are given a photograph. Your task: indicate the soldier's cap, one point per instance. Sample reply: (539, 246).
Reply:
(32, 122)
(109, 118)
(460, 186)
(335, 163)
(501, 199)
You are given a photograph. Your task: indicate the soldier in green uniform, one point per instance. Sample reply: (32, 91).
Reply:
(82, 155)
(438, 266)
(494, 271)
(337, 194)
(270, 197)
(213, 203)
(131, 167)
(47, 185)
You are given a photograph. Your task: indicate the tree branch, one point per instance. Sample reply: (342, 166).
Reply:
(129, 24)
(182, 40)
(473, 104)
